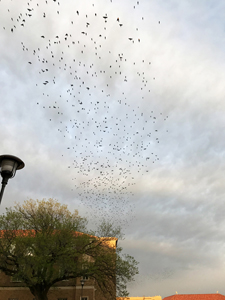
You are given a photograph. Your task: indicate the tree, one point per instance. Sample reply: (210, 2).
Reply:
(42, 243)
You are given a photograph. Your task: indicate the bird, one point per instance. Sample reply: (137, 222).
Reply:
(87, 73)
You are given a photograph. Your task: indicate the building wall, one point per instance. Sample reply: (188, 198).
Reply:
(71, 290)
(140, 298)
(54, 294)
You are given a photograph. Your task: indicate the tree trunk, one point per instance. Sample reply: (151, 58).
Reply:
(40, 292)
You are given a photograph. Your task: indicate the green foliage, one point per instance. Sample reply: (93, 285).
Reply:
(42, 243)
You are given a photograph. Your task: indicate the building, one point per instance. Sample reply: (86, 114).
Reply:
(216, 296)
(12, 289)
(82, 288)
(140, 298)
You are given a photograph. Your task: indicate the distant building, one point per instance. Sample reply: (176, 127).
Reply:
(177, 296)
(140, 298)
(12, 288)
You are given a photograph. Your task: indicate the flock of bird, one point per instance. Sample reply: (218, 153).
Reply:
(96, 84)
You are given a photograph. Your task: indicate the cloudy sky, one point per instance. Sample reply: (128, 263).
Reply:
(117, 109)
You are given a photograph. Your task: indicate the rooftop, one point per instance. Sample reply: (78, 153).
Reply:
(216, 296)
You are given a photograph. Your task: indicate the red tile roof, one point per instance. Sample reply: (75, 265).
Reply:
(31, 232)
(216, 296)
(21, 233)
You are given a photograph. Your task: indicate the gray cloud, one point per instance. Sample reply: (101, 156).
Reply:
(164, 187)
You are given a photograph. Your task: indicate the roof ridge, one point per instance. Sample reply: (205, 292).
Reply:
(204, 295)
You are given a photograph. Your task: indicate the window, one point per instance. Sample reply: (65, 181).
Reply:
(61, 273)
(62, 298)
(15, 278)
(84, 298)
(85, 267)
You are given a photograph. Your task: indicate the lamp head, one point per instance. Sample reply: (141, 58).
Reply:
(9, 164)
(82, 281)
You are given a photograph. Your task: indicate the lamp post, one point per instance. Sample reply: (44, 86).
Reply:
(82, 281)
(8, 165)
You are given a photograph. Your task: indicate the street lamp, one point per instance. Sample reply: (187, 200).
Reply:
(82, 281)
(8, 166)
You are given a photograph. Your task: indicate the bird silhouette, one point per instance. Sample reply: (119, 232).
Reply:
(79, 69)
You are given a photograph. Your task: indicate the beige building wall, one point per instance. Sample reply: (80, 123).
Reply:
(140, 298)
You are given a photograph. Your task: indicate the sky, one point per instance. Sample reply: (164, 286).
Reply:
(117, 110)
